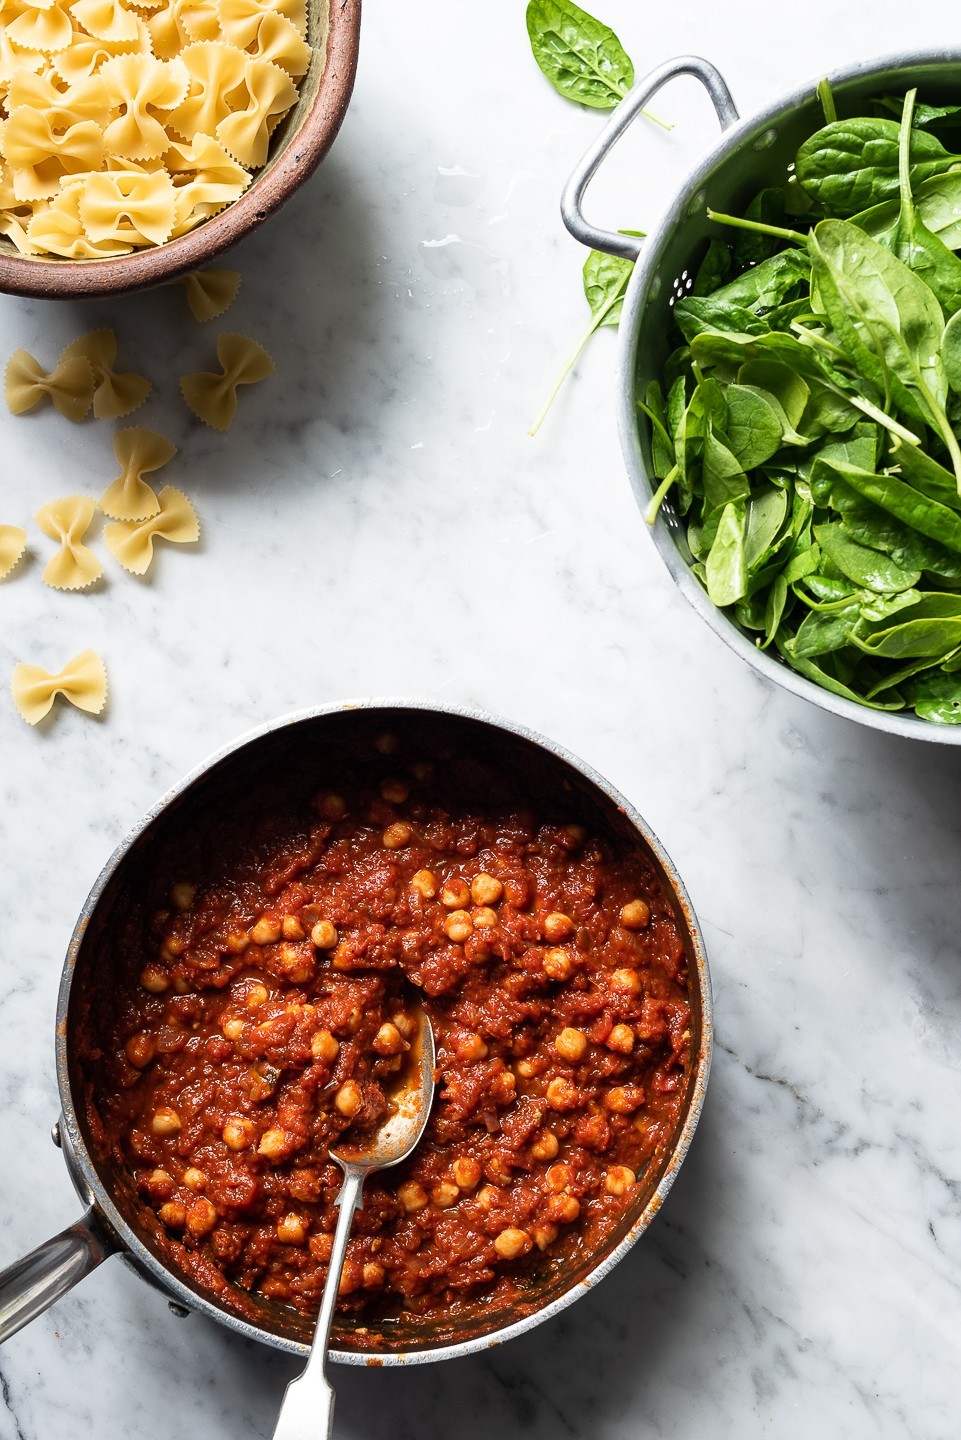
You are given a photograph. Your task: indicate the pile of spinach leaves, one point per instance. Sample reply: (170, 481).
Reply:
(807, 425)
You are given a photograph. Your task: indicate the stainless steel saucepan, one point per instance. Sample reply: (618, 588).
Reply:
(117, 1222)
(750, 154)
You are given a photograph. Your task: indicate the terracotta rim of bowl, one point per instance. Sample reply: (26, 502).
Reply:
(56, 279)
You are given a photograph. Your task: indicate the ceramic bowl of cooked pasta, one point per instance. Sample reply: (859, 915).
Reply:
(140, 141)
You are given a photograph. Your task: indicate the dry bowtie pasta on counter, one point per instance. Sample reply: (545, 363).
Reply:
(85, 378)
(68, 519)
(82, 681)
(131, 543)
(139, 452)
(13, 543)
(212, 395)
(126, 126)
(210, 292)
(82, 378)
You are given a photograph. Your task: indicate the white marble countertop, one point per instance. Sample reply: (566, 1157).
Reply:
(418, 296)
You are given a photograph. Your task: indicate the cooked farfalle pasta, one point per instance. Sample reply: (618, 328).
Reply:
(115, 394)
(210, 292)
(126, 123)
(131, 545)
(13, 542)
(212, 396)
(74, 566)
(139, 452)
(82, 681)
(69, 387)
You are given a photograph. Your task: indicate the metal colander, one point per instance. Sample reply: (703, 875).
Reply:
(750, 154)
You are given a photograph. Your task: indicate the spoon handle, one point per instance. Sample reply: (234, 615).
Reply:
(307, 1412)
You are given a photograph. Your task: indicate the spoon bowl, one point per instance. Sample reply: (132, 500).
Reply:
(397, 1135)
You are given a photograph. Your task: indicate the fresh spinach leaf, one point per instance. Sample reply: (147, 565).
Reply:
(888, 321)
(768, 208)
(766, 513)
(743, 304)
(913, 639)
(850, 165)
(951, 352)
(920, 249)
(581, 57)
(926, 516)
(755, 425)
(938, 698)
(726, 566)
(606, 278)
(938, 203)
(823, 677)
(870, 569)
(820, 634)
(714, 270)
(870, 525)
(605, 281)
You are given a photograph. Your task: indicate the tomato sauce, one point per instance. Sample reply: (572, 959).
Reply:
(266, 994)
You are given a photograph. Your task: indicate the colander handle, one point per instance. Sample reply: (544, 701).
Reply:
(627, 111)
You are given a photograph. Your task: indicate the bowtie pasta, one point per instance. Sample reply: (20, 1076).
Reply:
(131, 545)
(125, 125)
(212, 394)
(13, 542)
(210, 292)
(69, 386)
(74, 566)
(139, 452)
(82, 681)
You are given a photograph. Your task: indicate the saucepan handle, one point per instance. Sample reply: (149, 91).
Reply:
(627, 111)
(29, 1285)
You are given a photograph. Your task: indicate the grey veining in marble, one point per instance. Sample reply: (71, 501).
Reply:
(378, 522)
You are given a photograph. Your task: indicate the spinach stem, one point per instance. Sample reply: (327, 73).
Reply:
(947, 435)
(648, 114)
(657, 423)
(664, 124)
(904, 158)
(657, 499)
(875, 413)
(596, 321)
(739, 223)
(826, 97)
(816, 341)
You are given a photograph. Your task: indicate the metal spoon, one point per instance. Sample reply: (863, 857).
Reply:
(307, 1412)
